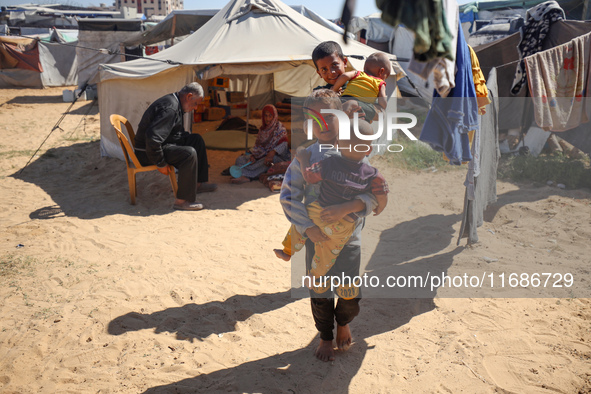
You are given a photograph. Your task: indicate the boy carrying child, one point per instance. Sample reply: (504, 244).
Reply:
(296, 196)
(343, 178)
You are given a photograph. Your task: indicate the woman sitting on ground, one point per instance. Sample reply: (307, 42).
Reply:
(271, 147)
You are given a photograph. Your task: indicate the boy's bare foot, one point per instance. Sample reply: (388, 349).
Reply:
(282, 255)
(325, 351)
(344, 338)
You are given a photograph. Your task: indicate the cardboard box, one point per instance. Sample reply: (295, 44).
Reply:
(225, 108)
(219, 82)
(238, 111)
(220, 97)
(214, 113)
(235, 97)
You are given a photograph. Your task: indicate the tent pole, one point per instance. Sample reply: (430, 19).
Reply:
(247, 113)
(172, 30)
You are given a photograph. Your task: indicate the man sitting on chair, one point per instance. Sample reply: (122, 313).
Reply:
(162, 140)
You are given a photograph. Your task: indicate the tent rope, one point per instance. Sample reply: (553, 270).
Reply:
(106, 51)
(57, 125)
(94, 101)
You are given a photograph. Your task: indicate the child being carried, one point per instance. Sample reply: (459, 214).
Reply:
(367, 85)
(343, 178)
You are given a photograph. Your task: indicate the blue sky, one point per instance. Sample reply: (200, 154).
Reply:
(330, 9)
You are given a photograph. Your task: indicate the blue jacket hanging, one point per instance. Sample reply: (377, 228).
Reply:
(450, 119)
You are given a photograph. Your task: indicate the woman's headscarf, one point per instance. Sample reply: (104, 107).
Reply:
(270, 134)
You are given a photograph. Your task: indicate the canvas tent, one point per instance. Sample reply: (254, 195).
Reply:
(573, 9)
(104, 33)
(25, 62)
(264, 46)
(183, 22)
(177, 23)
(50, 16)
(308, 13)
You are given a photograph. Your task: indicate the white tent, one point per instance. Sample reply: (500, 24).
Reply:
(184, 22)
(264, 46)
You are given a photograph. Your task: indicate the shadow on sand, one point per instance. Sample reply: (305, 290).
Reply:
(524, 194)
(36, 100)
(82, 184)
(299, 370)
(412, 249)
(89, 108)
(194, 321)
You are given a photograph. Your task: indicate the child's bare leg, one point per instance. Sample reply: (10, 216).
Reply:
(325, 351)
(281, 254)
(344, 338)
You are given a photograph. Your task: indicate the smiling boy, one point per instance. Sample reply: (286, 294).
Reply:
(330, 64)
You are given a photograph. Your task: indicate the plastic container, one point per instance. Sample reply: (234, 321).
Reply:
(91, 93)
(82, 96)
(68, 96)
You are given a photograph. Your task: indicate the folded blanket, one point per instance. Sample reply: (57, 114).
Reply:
(557, 80)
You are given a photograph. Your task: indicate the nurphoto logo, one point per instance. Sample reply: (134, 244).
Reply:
(388, 125)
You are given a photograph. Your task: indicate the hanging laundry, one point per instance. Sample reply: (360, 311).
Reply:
(450, 119)
(479, 83)
(485, 183)
(473, 165)
(483, 100)
(558, 80)
(443, 69)
(538, 20)
(426, 19)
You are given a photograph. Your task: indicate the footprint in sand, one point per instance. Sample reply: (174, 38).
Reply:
(177, 298)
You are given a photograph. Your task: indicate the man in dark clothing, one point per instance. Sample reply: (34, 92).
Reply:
(162, 140)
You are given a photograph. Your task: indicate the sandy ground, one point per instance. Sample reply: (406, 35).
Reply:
(99, 296)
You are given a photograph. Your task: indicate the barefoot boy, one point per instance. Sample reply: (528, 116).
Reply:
(296, 194)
